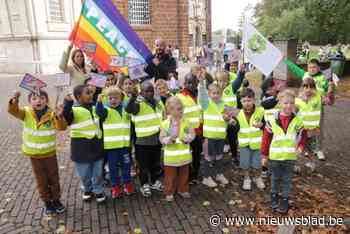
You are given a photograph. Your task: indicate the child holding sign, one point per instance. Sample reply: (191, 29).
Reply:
(116, 137)
(215, 123)
(86, 141)
(39, 144)
(175, 135)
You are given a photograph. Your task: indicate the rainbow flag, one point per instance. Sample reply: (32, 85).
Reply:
(117, 44)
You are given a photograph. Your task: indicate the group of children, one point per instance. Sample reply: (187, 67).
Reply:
(168, 133)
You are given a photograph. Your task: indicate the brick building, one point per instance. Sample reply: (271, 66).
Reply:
(167, 19)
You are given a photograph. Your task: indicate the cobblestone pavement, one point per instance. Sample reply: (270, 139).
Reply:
(21, 211)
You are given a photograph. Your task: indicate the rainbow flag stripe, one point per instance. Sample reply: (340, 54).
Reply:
(101, 23)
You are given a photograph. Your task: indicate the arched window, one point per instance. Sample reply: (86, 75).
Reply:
(139, 12)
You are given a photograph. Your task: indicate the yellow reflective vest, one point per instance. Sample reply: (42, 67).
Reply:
(214, 125)
(228, 97)
(177, 154)
(310, 112)
(116, 129)
(37, 140)
(147, 121)
(85, 124)
(249, 136)
(284, 145)
(192, 110)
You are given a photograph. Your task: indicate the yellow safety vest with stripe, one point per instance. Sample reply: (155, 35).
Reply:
(270, 113)
(37, 140)
(321, 82)
(249, 136)
(310, 112)
(228, 97)
(85, 124)
(177, 154)
(192, 110)
(214, 125)
(147, 121)
(116, 130)
(283, 145)
(233, 76)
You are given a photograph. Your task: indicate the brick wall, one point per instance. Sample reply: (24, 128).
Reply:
(169, 20)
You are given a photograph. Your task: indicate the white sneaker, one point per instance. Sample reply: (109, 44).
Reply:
(222, 179)
(169, 198)
(209, 182)
(311, 166)
(157, 186)
(247, 183)
(320, 155)
(226, 149)
(259, 182)
(146, 190)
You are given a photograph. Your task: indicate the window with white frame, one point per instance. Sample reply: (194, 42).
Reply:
(139, 13)
(56, 11)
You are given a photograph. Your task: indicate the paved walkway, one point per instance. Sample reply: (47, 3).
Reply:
(324, 192)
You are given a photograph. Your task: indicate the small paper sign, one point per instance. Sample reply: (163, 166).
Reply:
(62, 80)
(89, 47)
(117, 61)
(97, 80)
(32, 84)
(137, 72)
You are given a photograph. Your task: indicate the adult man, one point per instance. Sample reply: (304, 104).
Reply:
(160, 64)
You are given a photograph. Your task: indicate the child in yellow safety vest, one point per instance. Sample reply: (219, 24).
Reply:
(280, 146)
(215, 121)
(229, 97)
(250, 121)
(39, 144)
(175, 135)
(147, 114)
(309, 104)
(86, 141)
(116, 138)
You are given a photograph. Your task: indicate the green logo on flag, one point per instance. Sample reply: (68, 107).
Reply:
(257, 44)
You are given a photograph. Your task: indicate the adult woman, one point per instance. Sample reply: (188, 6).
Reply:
(77, 70)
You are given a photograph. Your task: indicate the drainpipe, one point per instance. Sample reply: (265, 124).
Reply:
(178, 23)
(34, 37)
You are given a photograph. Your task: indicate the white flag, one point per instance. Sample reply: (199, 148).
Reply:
(259, 51)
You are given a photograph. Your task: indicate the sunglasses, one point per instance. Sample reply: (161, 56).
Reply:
(309, 86)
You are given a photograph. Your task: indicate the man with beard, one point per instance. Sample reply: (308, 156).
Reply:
(161, 63)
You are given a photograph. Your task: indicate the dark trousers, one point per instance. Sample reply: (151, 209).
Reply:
(197, 148)
(281, 176)
(46, 175)
(119, 161)
(232, 138)
(148, 159)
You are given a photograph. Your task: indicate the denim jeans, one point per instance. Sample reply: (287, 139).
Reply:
(281, 176)
(119, 160)
(91, 176)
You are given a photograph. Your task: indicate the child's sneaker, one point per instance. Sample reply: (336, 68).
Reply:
(49, 208)
(100, 197)
(320, 155)
(185, 195)
(157, 186)
(87, 196)
(129, 189)
(222, 179)
(146, 190)
(265, 172)
(274, 202)
(284, 206)
(59, 207)
(259, 182)
(169, 198)
(247, 183)
(311, 166)
(116, 192)
(209, 182)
